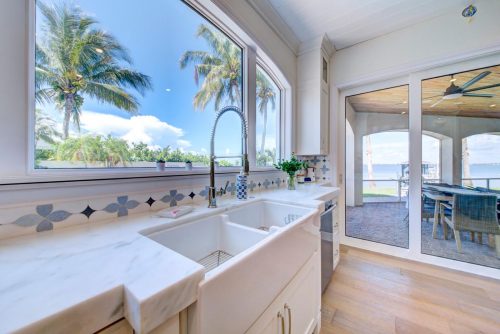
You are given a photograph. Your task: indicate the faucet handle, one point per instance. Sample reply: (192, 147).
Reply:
(223, 191)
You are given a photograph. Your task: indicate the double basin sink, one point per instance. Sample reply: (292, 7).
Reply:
(250, 253)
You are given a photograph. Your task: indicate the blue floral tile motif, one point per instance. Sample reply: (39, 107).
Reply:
(173, 198)
(324, 169)
(266, 183)
(204, 192)
(121, 206)
(278, 182)
(44, 218)
(315, 160)
(252, 185)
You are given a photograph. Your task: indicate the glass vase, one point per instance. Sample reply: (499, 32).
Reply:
(291, 181)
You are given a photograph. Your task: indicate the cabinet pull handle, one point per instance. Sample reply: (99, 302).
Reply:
(280, 316)
(289, 310)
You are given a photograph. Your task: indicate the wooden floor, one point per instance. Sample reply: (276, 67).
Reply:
(374, 293)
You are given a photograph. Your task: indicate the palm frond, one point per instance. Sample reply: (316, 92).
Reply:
(113, 95)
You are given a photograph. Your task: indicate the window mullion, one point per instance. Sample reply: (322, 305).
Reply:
(251, 62)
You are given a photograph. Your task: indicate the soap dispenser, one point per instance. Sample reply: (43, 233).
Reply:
(241, 186)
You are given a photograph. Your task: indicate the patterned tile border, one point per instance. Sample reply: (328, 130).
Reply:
(321, 164)
(43, 217)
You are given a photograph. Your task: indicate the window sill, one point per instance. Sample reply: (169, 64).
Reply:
(83, 175)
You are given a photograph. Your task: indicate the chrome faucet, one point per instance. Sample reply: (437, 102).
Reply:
(212, 193)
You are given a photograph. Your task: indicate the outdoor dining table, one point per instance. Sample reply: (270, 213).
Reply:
(441, 194)
(438, 198)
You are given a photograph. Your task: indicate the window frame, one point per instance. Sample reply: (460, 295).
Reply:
(280, 147)
(209, 12)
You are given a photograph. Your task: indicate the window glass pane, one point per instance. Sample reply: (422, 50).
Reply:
(267, 119)
(127, 90)
(377, 167)
(461, 166)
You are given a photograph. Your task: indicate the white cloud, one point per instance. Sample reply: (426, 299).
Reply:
(183, 143)
(143, 128)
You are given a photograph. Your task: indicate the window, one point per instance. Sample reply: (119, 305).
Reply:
(268, 107)
(127, 90)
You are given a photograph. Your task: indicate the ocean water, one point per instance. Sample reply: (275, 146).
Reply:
(394, 172)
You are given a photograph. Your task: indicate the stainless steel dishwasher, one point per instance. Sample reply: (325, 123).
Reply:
(326, 230)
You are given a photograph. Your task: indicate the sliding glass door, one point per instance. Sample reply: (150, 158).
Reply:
(461, 166)
(377, 168)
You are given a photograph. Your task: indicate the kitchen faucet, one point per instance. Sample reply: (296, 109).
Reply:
(212, 193)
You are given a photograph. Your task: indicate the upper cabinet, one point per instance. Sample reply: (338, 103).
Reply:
(313, 98)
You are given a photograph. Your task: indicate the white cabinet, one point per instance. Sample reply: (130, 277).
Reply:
(313, 100)
(297, 307)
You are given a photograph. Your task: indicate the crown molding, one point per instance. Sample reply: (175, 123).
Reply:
(267, 12)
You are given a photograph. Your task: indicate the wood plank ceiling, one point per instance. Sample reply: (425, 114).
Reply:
(395, 100)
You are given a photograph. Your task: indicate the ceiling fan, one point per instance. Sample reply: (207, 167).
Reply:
(454, 91)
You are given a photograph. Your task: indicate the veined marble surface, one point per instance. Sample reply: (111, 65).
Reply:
(81, 279)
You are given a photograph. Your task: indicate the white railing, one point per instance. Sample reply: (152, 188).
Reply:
(401, 186)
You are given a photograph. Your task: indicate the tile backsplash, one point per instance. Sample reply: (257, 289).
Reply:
(321, 164)
(46, 215)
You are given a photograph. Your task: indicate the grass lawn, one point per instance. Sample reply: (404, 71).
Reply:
(380, 192)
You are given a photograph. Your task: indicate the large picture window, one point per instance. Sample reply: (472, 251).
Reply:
(130, 89)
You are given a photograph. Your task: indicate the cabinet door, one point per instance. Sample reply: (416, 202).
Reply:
(303, 302)
(271, 322)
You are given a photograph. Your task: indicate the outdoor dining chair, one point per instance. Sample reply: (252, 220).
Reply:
(473, 213)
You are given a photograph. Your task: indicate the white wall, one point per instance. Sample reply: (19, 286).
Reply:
(13, 86)
(404, 51)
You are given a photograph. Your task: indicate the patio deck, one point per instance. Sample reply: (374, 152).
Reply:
(387, 223)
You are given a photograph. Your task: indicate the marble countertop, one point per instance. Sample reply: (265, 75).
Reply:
(83, 278)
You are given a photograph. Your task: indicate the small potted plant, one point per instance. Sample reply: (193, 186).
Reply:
(160, 165)
(290, 167)
(189, 165)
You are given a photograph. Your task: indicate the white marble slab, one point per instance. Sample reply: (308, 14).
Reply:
(80, 279)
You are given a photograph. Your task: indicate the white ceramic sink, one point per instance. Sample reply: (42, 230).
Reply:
(265, 214)
(246, 266)
(211, 241)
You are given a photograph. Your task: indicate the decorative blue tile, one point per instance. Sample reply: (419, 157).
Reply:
(44, 226)
(122, 200)
(44, 210)
(192, 195)
(173, 198)
(29, 220)
(112, 208)
(266, 183)
(324, 169)
(44, 218)
(88, 211)
(132, 204)
(150, 201)
(315, 160)
(252, 185)
(122, 206)
(204, 192)
(278, 182)
(58, 216)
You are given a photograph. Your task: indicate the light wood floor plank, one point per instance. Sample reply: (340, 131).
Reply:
(375, 293)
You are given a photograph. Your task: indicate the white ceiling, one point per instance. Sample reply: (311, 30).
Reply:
(347, 22)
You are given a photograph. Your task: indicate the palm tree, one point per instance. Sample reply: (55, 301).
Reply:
(220, 69)
(74, 58)
(265, 95)
(45, 128)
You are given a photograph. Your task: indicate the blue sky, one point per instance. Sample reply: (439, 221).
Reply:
(156, 33)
